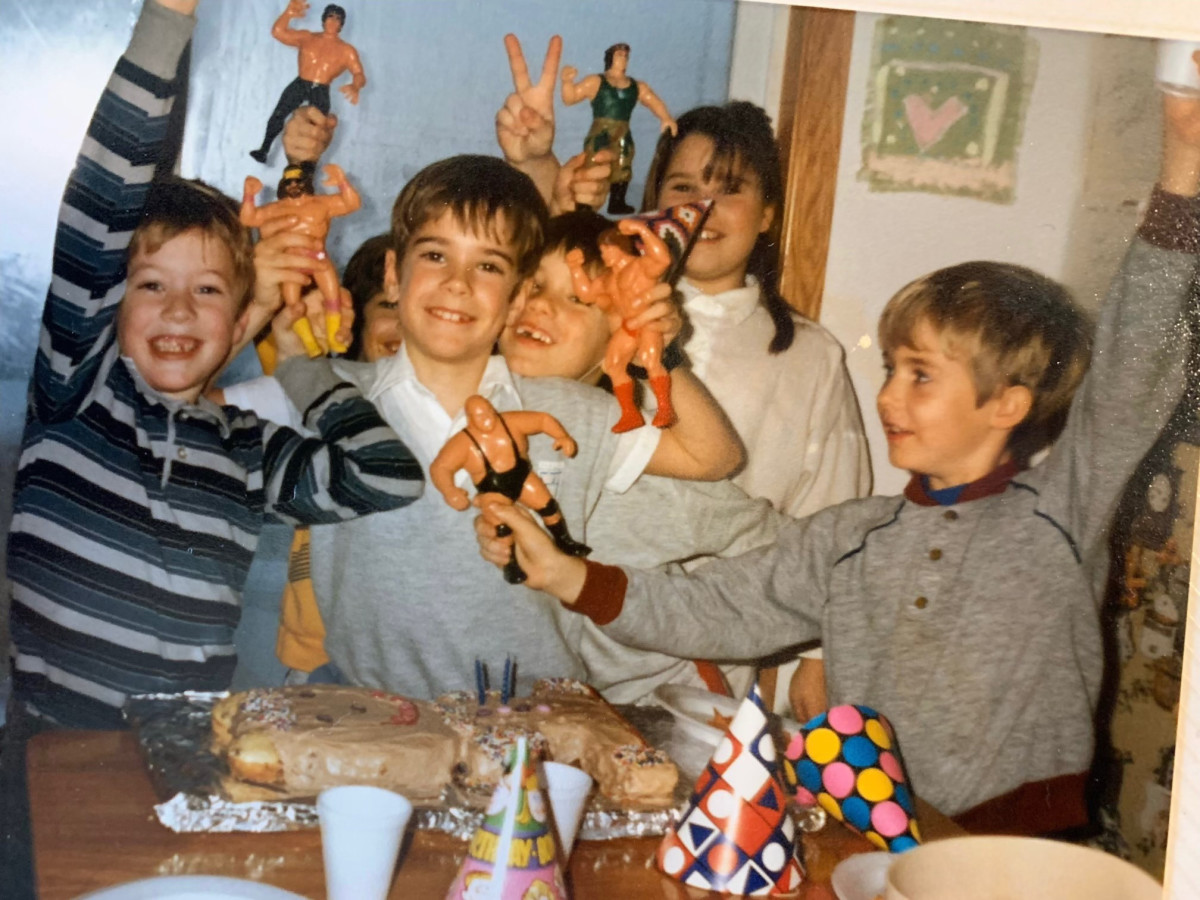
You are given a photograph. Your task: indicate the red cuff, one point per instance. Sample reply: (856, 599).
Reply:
(1035, 808)
(1172, 222)
(603, 594)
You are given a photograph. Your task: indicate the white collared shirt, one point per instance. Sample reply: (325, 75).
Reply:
(417, 416)
(795, 411)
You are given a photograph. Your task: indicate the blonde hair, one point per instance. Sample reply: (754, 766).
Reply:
(1011, 326)
(176, 205)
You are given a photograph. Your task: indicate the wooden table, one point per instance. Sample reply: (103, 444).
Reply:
(94, 826)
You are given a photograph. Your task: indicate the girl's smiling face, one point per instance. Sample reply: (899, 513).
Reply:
(739, 215)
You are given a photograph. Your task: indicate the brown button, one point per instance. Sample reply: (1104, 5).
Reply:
(920, 603)
(935, 554)
(950, 514)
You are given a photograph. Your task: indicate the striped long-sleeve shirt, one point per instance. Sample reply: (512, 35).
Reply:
(136, 516)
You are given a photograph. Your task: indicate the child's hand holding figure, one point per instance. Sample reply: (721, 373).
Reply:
(582, 181)
(547, 568)
(658, 311)
(308, 134)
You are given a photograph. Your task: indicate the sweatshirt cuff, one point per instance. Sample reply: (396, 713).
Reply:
(1172, 222)
(603, 594)
(158, 39)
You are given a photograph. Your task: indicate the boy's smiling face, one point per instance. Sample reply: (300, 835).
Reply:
(555, 333)
(179, 318)
(455, 290)
(931, 416)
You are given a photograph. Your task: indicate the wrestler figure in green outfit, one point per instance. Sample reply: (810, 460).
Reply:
(614, 95)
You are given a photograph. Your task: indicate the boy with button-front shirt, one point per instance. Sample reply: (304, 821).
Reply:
(966, 609)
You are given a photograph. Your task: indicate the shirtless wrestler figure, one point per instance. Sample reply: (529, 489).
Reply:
(494, 451)
(313, 212)
(323, 56)
(622, 292)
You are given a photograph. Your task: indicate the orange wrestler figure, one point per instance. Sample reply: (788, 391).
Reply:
(323, 56)
(494, 451)
(297, 199)
(621, 292)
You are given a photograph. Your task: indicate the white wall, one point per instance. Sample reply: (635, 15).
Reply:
(881, 241)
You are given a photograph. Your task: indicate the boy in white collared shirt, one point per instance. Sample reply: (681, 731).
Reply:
(407, 602)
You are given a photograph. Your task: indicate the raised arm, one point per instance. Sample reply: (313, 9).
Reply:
(654, 103)
(249, 214)
(358, 77)
(357, 465)
(101, 205)
(346, 200)
(532, 422)
(1137, 371)
(282, 30)
(577, 91)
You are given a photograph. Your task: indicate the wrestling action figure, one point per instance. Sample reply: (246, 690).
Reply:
(621, 293)
(297, 198)
(614, 95)
(494, 451)
(323, 56)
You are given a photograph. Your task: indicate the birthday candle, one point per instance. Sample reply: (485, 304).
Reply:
(480, 690)
(506, 688)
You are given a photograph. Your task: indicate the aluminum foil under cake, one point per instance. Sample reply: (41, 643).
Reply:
(174, 732)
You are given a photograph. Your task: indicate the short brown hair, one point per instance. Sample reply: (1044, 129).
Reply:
(178, 205)
(479, 191)
(1011, 326)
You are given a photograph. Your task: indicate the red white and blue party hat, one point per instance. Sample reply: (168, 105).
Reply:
(736, 835)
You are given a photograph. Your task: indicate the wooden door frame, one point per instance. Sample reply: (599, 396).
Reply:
(812, 106)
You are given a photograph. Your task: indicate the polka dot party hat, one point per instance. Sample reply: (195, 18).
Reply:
(513, 854)
(848, 761)
(736, 835)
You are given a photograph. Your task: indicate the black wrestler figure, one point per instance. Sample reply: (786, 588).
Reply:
(494, 451)
(323, 56)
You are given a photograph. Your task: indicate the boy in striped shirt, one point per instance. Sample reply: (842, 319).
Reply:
(138, 502)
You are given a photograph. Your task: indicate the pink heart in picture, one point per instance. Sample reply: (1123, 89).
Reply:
(929, 125)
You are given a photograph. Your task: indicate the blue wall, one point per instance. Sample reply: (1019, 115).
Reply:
(437, 73)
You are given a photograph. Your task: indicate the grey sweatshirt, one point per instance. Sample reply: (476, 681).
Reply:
(985, 655)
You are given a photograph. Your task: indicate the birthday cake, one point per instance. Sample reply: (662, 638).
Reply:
(292, 742)
(566, 721)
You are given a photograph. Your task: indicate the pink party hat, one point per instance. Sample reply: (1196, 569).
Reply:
(513, 853)
(848, 761)
(736, 835)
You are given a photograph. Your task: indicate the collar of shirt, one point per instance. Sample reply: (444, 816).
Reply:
(710, 314)
(731, 307)
(203, 408)
(994, 482)
(415, 413)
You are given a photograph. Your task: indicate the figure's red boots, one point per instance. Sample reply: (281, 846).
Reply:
(631, 416)
(662, 393)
